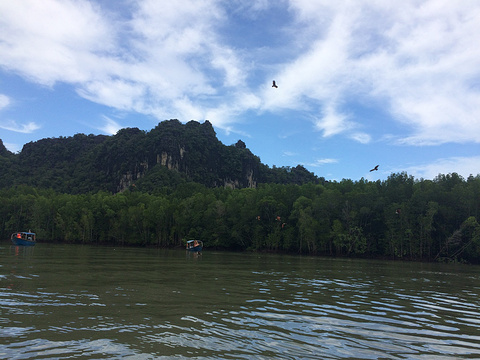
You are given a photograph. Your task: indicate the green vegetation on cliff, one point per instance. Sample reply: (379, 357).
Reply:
(133, 157)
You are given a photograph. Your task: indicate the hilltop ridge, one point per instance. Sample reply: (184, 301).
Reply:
(169, 154)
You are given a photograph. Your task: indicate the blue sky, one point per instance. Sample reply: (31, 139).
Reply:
(360, 83)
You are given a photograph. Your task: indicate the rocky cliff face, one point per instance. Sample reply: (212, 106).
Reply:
(191, 149)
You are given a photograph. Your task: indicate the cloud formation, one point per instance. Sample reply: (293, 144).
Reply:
(110, 126)
(463, 166)
(4, 101)
(320, 162)
(419, 59)
(12, 125)
(418, 62)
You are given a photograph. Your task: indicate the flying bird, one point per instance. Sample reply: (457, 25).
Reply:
(375, 168)
(274, 84)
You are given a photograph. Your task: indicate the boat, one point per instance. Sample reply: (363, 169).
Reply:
(194, 245)
(23, 238)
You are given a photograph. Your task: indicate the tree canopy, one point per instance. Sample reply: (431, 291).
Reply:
(399, 218)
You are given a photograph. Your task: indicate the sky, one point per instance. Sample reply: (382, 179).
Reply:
(360, 83)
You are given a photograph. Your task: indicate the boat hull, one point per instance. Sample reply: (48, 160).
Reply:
(195, 248)
(22, 242)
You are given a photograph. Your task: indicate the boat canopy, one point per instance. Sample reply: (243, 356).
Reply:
(194, 244)
(24, 234)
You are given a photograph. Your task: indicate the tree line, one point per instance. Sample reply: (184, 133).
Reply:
(398, 218)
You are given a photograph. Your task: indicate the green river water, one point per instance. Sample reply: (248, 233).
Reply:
(92, 302)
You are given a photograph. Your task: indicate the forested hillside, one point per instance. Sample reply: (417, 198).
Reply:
(132, 157)
(399, 218)
(178, 181)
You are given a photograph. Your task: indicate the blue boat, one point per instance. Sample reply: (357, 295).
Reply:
(194, 245)
(23, 238)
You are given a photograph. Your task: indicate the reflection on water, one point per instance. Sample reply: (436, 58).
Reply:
(67, 301)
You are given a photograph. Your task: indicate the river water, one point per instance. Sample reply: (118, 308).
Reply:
(92, 302)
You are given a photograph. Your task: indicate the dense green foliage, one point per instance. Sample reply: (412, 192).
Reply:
(400, 218)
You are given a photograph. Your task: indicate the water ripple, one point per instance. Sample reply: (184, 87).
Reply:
(243, 308)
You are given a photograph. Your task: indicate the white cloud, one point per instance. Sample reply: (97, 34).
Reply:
(428, 69)
(332, 122)
(320, 162)
(226, 61)
(222, 115)
(420, 61)
(464, 166)
(159, 62)
(119, 94)
(4, 101)
(52, 41)
(25, 128)
(12, 125)
(360, 137)
(110, 126)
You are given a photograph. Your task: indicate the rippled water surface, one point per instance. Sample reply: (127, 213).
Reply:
(87, 302)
